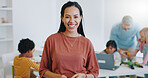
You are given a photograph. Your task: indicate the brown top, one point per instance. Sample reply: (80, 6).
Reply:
(62, 58)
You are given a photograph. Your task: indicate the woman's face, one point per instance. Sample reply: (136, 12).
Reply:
(142, 37)
(110, 50)
(71, 18)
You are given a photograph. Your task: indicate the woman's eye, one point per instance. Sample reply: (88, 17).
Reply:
(67, 17)
(76, 16)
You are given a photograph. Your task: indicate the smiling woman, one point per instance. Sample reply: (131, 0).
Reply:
(71, 19)
(68, 53)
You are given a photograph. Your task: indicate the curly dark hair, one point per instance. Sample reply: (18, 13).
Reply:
(25, 45)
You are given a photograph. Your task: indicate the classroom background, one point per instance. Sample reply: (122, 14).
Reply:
(38, 19)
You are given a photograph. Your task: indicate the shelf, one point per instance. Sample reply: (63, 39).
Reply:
(6, 29)
(5, 9)
(6, 39)
(5, 24)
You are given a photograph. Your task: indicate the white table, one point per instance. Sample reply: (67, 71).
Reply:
(123, 70)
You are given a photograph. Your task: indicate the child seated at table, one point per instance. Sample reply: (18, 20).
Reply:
(111, 48)
(23, 64)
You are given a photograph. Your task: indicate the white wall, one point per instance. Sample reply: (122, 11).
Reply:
(37, 19)
(94, 22)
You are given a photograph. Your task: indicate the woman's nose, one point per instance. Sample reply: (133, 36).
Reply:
(72, 19)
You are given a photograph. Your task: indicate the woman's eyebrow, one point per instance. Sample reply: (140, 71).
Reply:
(76, 14)
(69, 15)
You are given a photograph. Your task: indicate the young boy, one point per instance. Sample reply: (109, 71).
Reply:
(22, 64)
(111, 48)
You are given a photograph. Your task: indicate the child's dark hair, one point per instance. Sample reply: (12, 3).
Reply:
(25, 45)
(111, 43)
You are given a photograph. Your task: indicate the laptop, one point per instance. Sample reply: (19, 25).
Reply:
(106, 61)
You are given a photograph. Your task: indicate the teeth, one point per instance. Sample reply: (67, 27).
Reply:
(71, 25)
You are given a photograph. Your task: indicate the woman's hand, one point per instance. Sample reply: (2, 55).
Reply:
(50, 74)
(63, 76)
(140, 41)
(79, 75)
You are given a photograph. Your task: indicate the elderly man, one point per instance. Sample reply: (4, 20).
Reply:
(125, 34)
